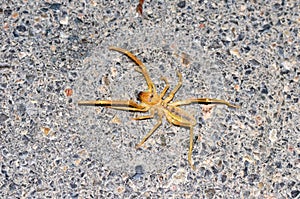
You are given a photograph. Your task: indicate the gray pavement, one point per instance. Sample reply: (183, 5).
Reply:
(55, 54)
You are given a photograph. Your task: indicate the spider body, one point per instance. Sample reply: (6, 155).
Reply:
(158, 104)
(178, 116)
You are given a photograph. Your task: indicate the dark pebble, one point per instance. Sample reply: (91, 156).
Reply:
(21, 28)
(295, 193)
(3, 117)
(181, 4)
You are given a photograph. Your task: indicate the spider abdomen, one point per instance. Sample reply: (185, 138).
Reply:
(178, 116)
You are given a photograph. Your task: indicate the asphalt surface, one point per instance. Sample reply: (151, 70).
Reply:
(55, 54)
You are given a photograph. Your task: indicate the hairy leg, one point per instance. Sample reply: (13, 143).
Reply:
(173, 92)
(159, 122)
(127, 105)
(203, 101)
(144, 117)
(162, 94)
(139, 63)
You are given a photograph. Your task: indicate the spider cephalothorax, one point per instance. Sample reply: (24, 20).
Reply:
(146, 97)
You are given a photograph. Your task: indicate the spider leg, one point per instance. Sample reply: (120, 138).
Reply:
(173, 92)
(139, 63)
(144, 117)
(190, 126)
(159, 122)
(127, 105)
(203, 101)
(138, 70)
(162, 94)
(127, 108)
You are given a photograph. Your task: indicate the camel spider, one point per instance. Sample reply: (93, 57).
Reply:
(158, 104)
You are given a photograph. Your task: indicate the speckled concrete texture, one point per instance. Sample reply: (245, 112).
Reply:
(54, 54)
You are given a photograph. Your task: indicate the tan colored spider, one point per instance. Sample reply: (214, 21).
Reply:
(158, 104)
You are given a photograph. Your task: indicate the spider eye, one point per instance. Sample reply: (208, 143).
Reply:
(149, 97)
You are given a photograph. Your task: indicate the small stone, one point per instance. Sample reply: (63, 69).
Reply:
(68, 92)
(254, 62)
(21, 28)
(64, 21)
(295, 193)
(120, 189)
(243, 8)
(116, 120)
(3, 117)
(181, 4)
(179, 177)
(273, 135)
(139, 172)
(15, 15)
(55, 6)
(53, 48)
(22, 55)
(235, 52)
(45, 130)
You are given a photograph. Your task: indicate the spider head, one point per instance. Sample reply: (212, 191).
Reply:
(145, 96)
